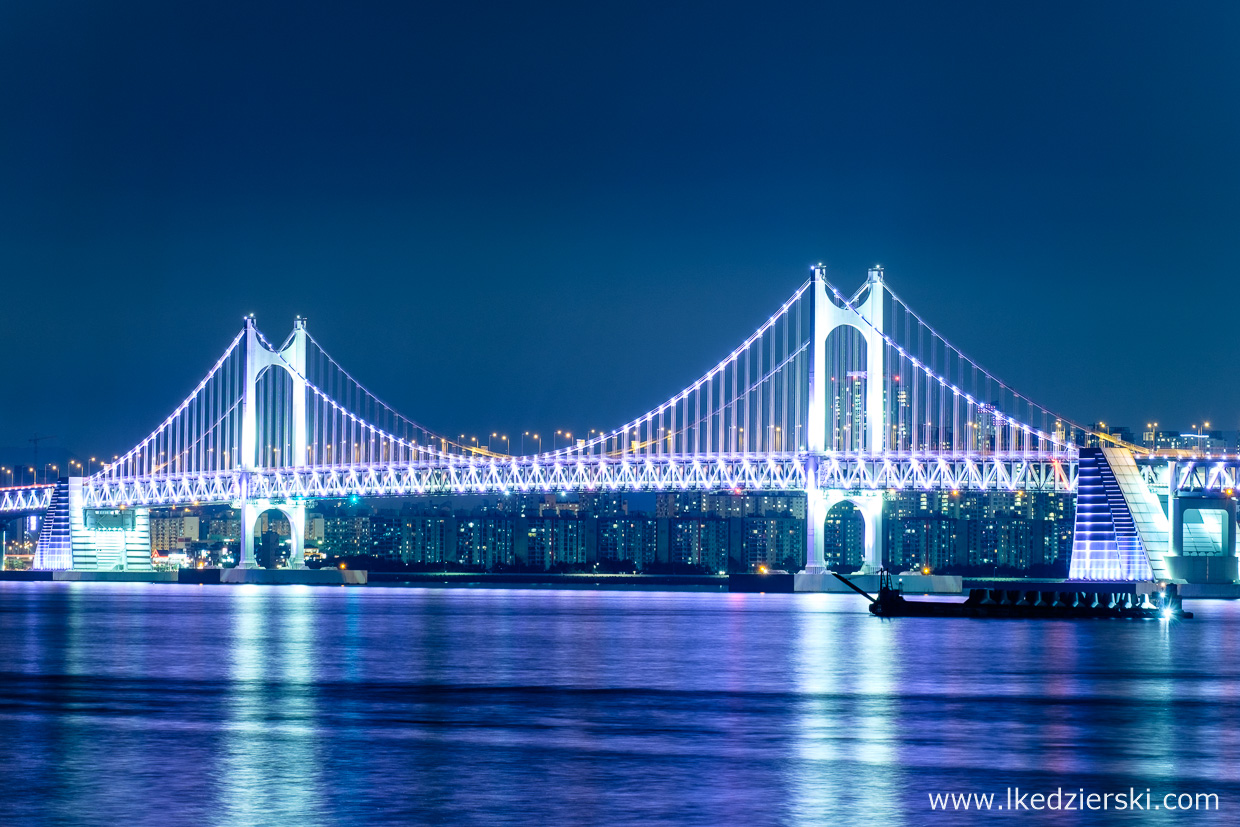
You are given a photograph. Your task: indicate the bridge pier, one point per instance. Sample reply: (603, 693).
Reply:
(868, 319)
(249, 522)
(870, 506)
(1197, 559)
(815, 528)
(295, 512)
(258, 359)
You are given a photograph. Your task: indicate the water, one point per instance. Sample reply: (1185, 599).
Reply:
(162, 704)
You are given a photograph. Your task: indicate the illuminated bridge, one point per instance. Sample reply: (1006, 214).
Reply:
(844, 397)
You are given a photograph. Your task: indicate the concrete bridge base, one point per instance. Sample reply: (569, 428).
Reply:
(288, 577)
(911, 583)
(115, 576)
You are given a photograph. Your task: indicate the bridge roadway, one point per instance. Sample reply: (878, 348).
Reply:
(547, 473)
(779, 472)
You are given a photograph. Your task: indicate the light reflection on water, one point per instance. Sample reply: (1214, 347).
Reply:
(161, 704)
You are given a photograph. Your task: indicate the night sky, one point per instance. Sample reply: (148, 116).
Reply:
(516, 217)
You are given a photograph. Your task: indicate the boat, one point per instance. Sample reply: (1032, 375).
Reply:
(1165, 604)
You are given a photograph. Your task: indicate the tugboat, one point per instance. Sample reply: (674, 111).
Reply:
(1165, 605)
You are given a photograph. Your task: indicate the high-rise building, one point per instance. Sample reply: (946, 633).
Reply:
(428, 538)
(699, 541)
(632, 539)
(603, 504)
(385, 535)
(778, 542)
(172, 530)
(484, 540)
(552, 542)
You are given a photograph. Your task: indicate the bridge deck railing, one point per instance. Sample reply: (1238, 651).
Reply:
(752, 472)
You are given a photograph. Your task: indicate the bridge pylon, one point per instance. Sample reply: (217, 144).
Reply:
(258, 359)
(826, 316)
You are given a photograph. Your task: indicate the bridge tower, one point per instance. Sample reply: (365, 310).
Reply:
(826, 316)
(258, 359)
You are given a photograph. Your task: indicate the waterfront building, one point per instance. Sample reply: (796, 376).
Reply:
(173, 530)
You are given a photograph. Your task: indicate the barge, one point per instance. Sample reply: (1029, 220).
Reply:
(1031, 604)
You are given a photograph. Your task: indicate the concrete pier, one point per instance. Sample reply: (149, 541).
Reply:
(285, 577)
(910, 583)
(115, 576)
(288, 577)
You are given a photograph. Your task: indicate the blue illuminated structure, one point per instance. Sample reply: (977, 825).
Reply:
(54, 550)
(843, 397)
(1105, 544)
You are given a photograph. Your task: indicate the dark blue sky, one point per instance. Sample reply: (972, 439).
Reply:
(555, 216)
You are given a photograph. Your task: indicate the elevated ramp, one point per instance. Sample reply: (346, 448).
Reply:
(1121, 531)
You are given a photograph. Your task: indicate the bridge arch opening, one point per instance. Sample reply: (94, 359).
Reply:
(843, 547)
(853, 529)
(277, 534)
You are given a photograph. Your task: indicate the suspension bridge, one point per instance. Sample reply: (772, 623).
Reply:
(844, 397)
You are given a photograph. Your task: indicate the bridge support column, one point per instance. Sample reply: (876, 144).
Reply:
(296, 514)
(875, 363)
(871, 508)
(1198, 559)
(257, 360)
(815, 528)
(249, 521)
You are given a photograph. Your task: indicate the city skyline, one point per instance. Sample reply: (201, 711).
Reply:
(555, 255)
(59, 461)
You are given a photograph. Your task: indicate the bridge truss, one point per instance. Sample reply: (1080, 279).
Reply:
(590, 474)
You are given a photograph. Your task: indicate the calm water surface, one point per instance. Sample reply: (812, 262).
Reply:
(163, 704)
